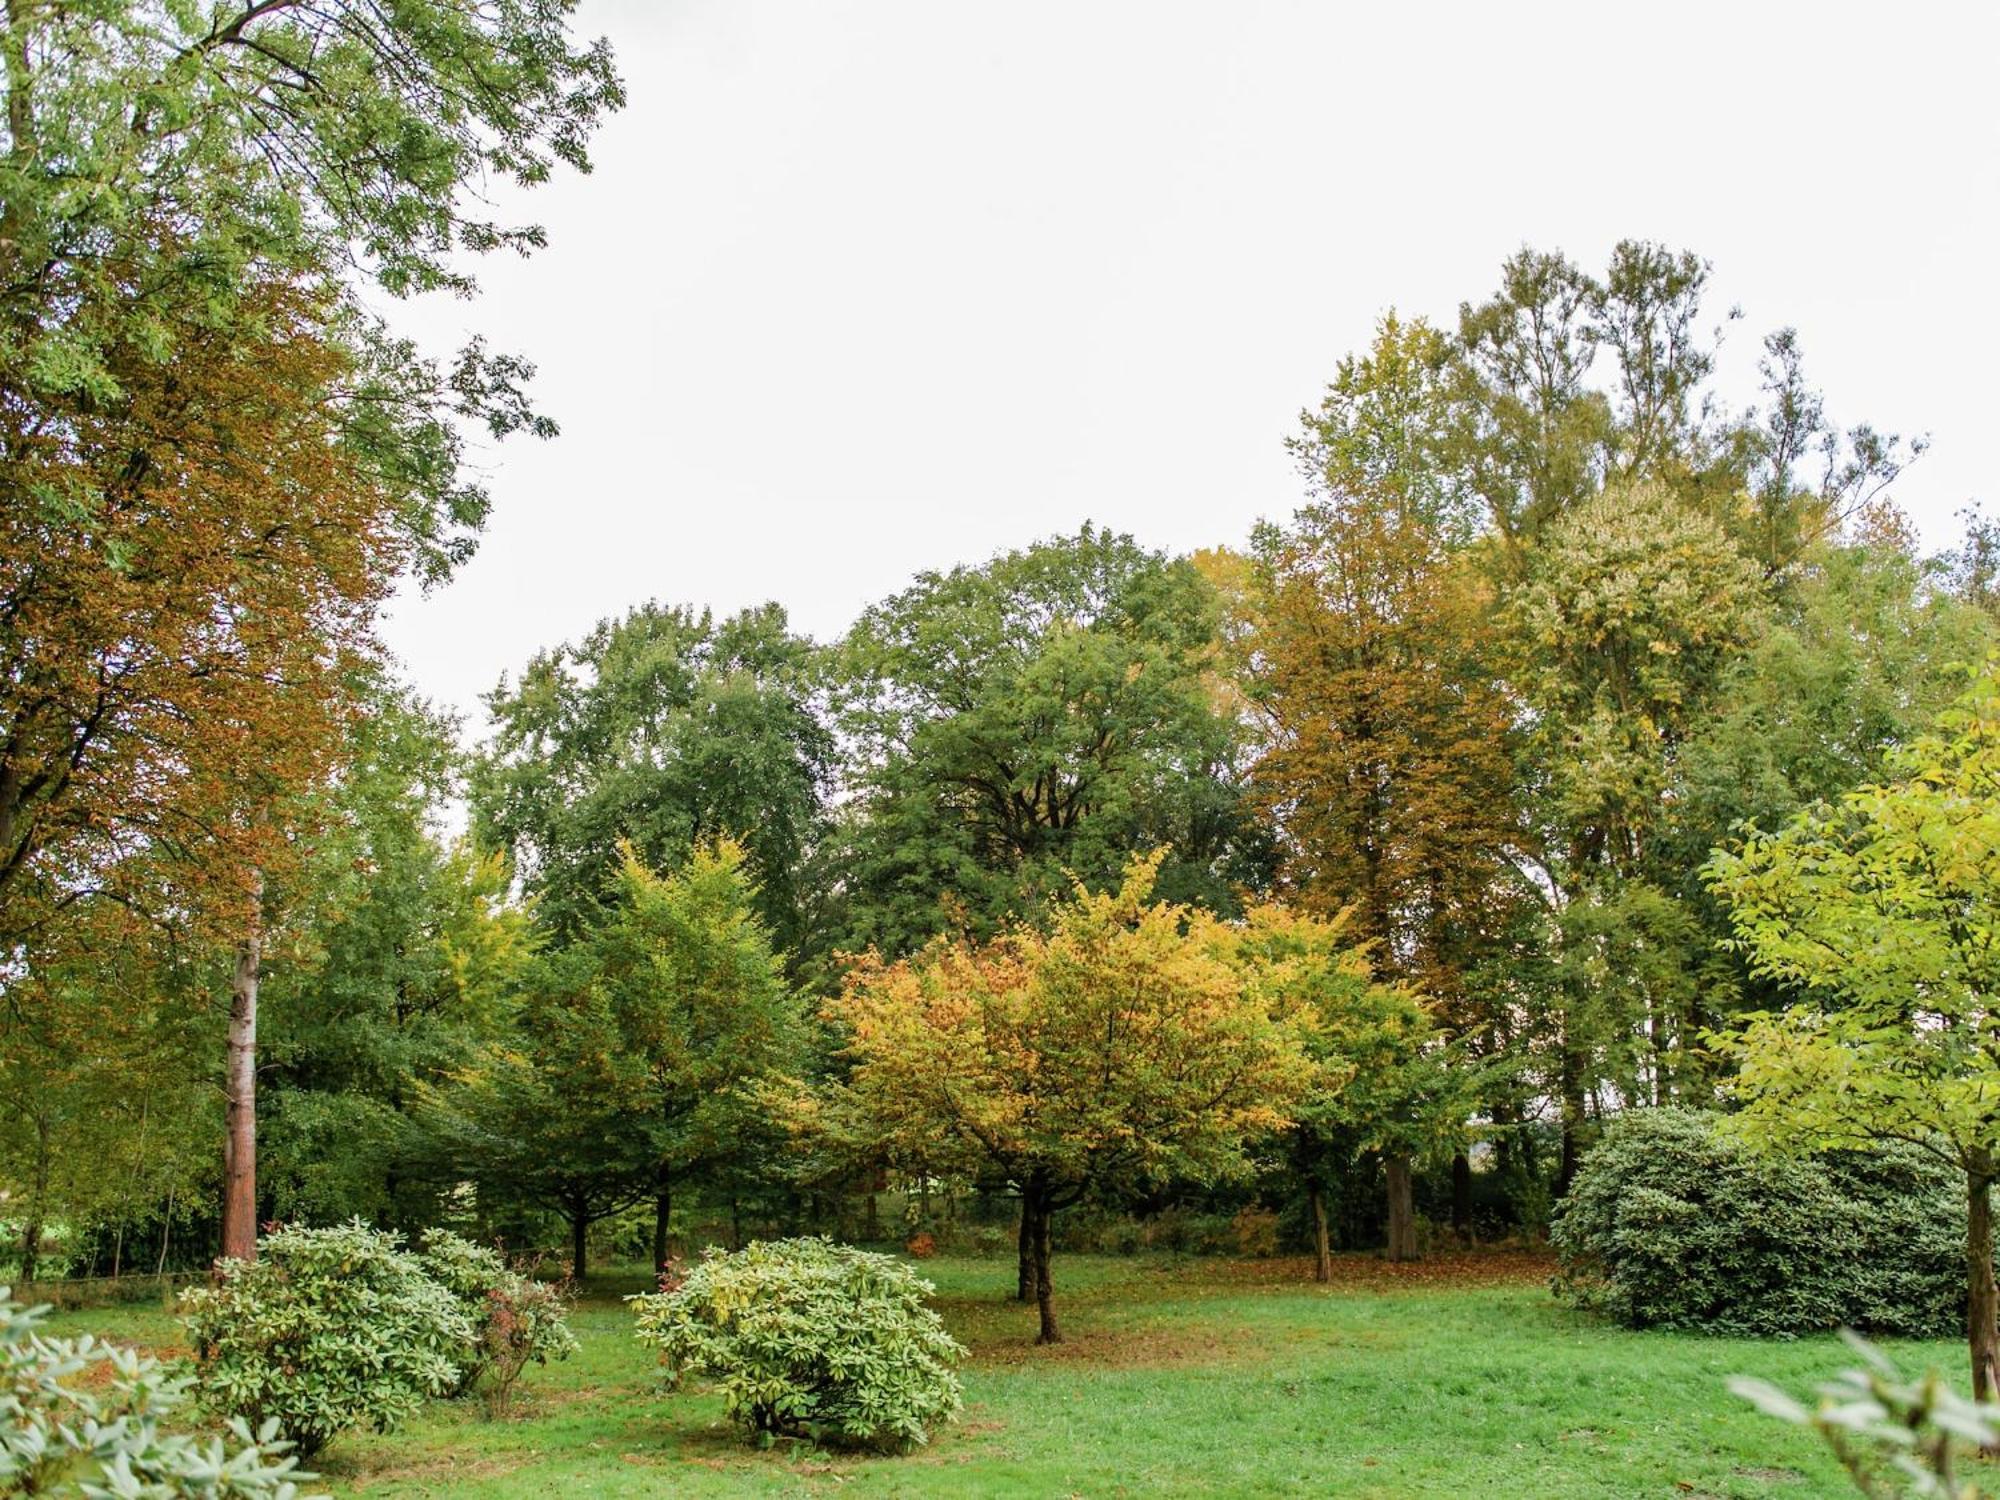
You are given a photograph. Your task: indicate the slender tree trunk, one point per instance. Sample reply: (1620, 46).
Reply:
(735, 1222)
(1402, 1228)
(166, 1234)
(663, 1213)
(239, 1157)
(1024, 1289)
(1982, 1304)
(1322, 1240)
(1461, 1196)
(1045, 1290)
(579, 1243)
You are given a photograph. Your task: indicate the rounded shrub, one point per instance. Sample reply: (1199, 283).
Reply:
(516, 1320)
(327, 1329)
(808, 1338)
(80, 1417)
(1671, 1223)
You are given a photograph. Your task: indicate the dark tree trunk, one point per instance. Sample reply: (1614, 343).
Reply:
(1402, 1227)
(1024, 1289)
(1572, 1126)
(1461, 1196)
(663, 1216)
(1045, 1290)
(1982, 1305)
(31, 1250)
(1322, 1240)
(579, 1243)
(239, 1153)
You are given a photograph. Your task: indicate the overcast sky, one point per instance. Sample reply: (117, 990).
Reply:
(863, 288)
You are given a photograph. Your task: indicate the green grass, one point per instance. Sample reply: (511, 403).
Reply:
(1191, 1377)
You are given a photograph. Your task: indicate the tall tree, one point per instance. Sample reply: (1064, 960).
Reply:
(1041, 716)
(665, 729)
(1390, 739)
(1121, 1048)
(1878, 912)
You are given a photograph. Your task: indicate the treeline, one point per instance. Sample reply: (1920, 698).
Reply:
(1546, 629)
(1403, 803)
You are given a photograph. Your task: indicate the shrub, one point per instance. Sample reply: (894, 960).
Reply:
(327, 1329)
(1672, 1224)
(516, 1321)
(1895, 1437)
(806, 1337)
(81, 1417)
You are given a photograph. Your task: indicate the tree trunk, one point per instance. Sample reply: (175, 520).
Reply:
(1322, 1241)
(579, 1244)
(1045, 1291)
(1461, 1196)
(1402, 1229)
(1982, 1304)
(663, 1213)
(31, 1250)
(239, 1155)
(1025, 1285)
(1572, 1126)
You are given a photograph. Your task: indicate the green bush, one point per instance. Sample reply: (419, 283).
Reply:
(1672, 1224)
(81, 1417)
(516, 1321)
(809, 1338)
(327, 1329)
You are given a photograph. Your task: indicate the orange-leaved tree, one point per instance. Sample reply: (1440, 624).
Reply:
(1123, 1046)
(189, 572)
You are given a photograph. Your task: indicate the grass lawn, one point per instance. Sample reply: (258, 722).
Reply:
(1457, 1377)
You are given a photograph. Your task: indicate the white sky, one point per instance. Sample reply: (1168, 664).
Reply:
(862, 288)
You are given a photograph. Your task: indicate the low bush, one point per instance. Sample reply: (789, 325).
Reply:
(808, 1338)
(516, 1321)
(327, 1329)
(81, 1417)
(1671, 1223)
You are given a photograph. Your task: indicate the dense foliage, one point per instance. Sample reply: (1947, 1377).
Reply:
(809, 1337)
(85, 1417)
(327, 1329)
(1673, 1222)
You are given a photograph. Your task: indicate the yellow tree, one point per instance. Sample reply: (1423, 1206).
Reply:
(1123, 1046)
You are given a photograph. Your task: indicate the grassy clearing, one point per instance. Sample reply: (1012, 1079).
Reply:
(1457, 1377)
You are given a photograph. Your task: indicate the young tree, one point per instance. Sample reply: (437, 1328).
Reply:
(1122, 1047)
(1879, 911)
(700, 1004)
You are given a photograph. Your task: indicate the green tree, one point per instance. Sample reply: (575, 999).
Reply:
(1043, 715)
(397, 960)
(1878, 912)
(701, 1008)
(664, 729)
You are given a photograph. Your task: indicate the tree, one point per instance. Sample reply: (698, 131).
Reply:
(1388, 768)
(1122, 1047)
(396, 961)
(665, 729)
(1041, 715)
(224, 144)
(1383, 1078)
(701, 1007)
(1878, 912)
